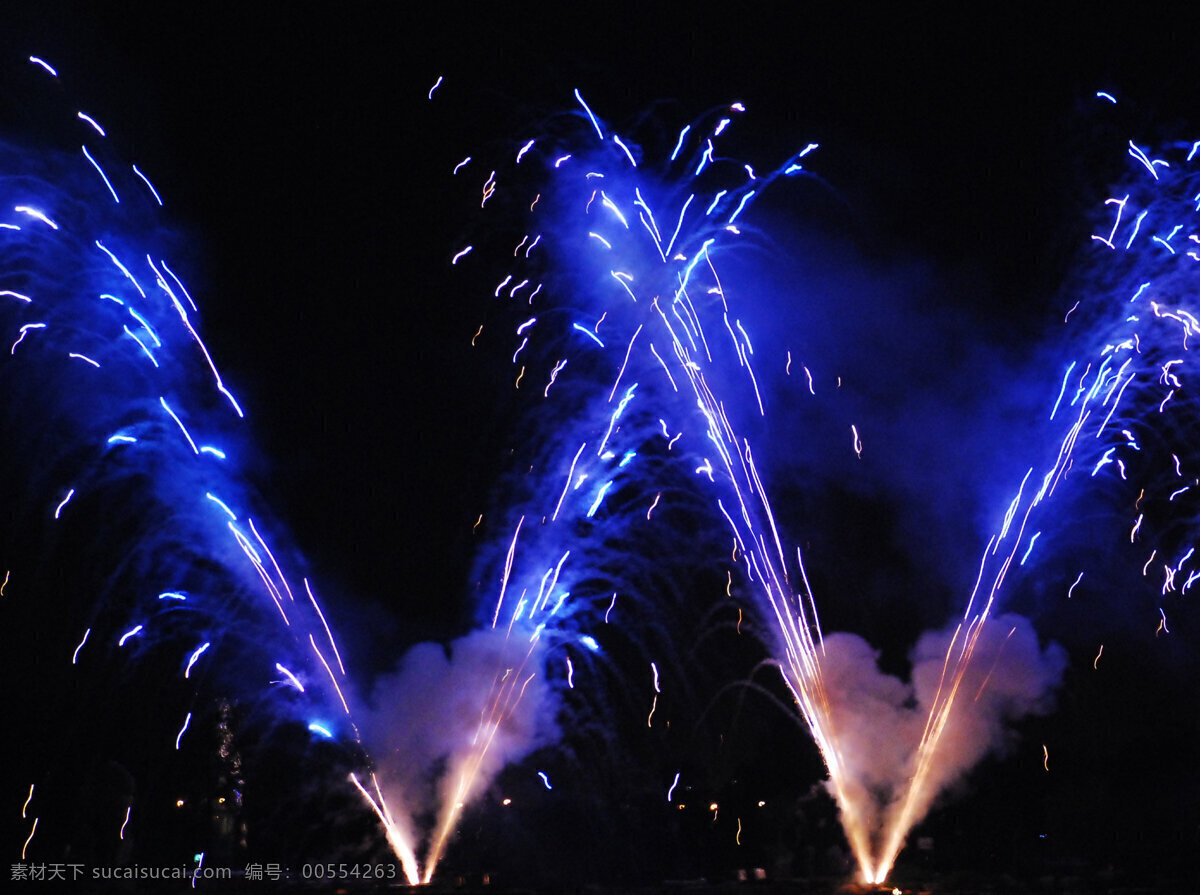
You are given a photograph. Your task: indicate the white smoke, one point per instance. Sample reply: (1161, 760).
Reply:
(450, 718)
(879, 719)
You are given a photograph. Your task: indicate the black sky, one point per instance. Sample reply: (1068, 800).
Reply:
(297, 152)
(301, 158)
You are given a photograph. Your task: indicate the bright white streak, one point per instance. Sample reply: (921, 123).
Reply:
(74, 656)
(324, 624)
(58, 509)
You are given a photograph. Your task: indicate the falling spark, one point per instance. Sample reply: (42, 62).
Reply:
(32, 830)
(75, 655)
(58, 509)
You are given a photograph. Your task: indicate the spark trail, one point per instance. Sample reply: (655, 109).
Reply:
(1122, 415)
(616, 276)
(129, 438)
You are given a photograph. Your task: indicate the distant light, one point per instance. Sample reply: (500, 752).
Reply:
(506, 802)
(179, 803)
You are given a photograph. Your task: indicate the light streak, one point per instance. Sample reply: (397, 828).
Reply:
(179, 422)
(95, 164)
(590, 115)
(36, 215)
(292, 679)
(325, 625)
(222, 505)
(45, 65)
(182, 730)
(587, 332)
(25, 330)
(329, 671)
(558, 367)
(75, 655)
(1032, 541)
(599, 499)
(58, 509)
(28, 840)
(657, 498)
(200, 650)
(149, 185)
(396, 838)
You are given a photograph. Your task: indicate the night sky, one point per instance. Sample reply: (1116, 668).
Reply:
(963, 162)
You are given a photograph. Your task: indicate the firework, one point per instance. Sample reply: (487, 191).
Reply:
(130, 440)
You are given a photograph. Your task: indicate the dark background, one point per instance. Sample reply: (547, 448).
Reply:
(965, 156)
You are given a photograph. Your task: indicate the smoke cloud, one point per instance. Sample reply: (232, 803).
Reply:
(449, 718)
(880, 719)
